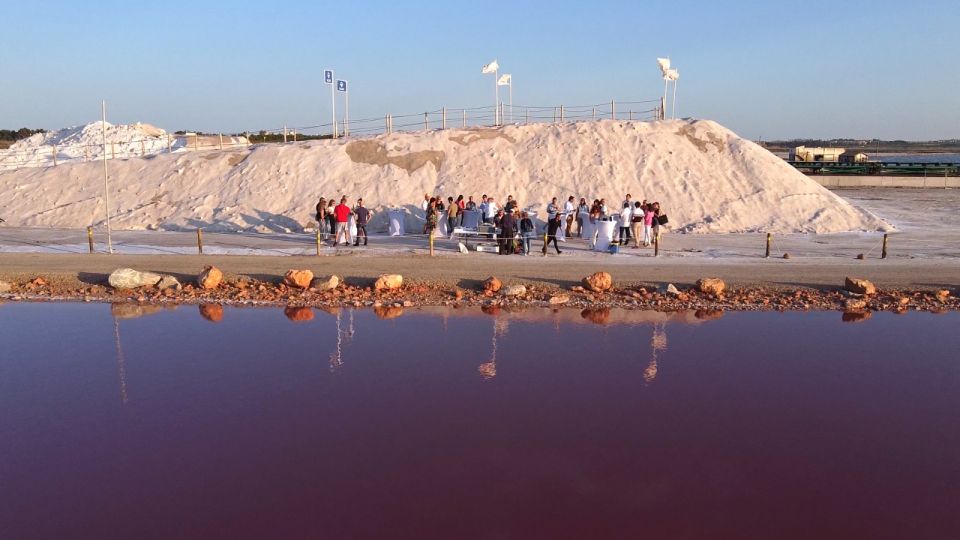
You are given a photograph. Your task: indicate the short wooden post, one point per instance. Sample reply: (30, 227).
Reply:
(464, 112)
(426, 120)
(221, 141)
(594, 113)
(656, 245)
(318, 239)
(883, 250)
(526, 116)
(284, 134)
(630, 115)
(561, 113)
(544, 243)
(613, 109)
(431, 243)
(169, 144)
(386, 123)
(200, 241)
(294, 134)
(196, 142)
(554, 114)
(113, 151)
(769, 241)
(443, 118)
(53, 151)
(143, 148)
(90, 238)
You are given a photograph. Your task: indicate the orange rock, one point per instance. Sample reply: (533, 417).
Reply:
(298, 278)
(210, 278)
(714, 286)
(388, 282)
(492, 284)
(598, 282)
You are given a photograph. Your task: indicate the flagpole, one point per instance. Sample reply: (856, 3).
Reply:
(496, 96)
(106, 187)
(511, 99)
(333, 101)
(674, 114)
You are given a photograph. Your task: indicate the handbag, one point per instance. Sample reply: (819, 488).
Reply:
(662, 219)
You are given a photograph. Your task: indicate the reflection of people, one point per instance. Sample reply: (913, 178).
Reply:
(658, 342)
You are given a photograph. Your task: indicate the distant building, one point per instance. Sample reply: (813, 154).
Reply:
(852, 156)
(802, 153)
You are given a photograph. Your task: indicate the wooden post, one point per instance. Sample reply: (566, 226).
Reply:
(143, 148)
(284, 134)
(53, 151)
(113, 151)
(464, 118)
(386, 123)
(318, 239)
(594, 113)
(544, 242)
(221, 141)
(90, 238)
(613, 109)
(169, 144)
(294, 134)
(200, 241)
(631, 115)
(526, 116)
(561, 113)
(443, 118)
(431, 243)
(196, 142)
(554, 114)
(656, 245)
(883, 251)
(426, 127)
(769, 241)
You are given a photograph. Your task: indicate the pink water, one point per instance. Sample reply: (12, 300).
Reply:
(462, 424)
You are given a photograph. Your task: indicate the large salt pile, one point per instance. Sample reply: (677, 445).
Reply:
(86, 143)
(707, 179)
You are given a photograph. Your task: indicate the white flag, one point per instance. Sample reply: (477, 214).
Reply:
(671, 75)
(492, 67)
(504, 80)
(664, 64)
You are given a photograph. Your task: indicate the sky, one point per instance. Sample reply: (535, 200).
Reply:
(767, 70)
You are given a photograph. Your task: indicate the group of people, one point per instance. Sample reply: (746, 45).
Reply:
(639, 221)
(334, 220)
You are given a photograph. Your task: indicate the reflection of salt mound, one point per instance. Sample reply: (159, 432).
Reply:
(707, 179)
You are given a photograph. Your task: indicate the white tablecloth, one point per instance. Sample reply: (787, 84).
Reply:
(605, 230)
(397, 218)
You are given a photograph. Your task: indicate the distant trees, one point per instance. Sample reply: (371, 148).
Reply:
(16, 135)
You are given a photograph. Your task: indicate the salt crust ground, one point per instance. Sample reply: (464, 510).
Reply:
(708, 180)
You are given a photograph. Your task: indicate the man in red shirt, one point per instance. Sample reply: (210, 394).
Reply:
(342, 213)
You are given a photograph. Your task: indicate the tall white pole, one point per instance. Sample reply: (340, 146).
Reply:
(674, 114)
(106, 187)
(511, 99)
(333, 101)
(666, 83)
(496, 97)
(346, 114)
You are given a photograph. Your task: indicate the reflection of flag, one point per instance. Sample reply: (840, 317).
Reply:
(664, 64)
(504, 80)
(492, 67)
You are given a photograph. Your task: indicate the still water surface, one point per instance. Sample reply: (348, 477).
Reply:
(260, 423)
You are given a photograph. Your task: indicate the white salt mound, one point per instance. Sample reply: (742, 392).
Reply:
(85, 143)
(707, 179)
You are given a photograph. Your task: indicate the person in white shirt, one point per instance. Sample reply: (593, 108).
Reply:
(491, 211)
(569, 208)
(626, 214)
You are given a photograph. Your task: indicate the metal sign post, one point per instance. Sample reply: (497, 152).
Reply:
(328, 78)
(106, 186)
(342, 87)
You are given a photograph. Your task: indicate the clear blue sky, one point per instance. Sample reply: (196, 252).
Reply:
(765, 69)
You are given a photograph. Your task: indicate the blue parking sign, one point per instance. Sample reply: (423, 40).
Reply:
(341, 85)
(328, 76)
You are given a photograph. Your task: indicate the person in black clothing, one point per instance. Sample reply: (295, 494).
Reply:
(322, 216)
(363, 216)
(552, 227)
(508, 228)
(526, 232)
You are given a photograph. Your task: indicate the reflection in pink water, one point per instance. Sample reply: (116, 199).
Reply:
(465, 424)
